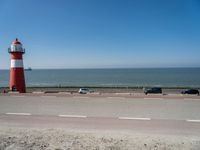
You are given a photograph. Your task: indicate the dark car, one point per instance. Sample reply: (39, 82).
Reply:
(155, 90)
(191, 91)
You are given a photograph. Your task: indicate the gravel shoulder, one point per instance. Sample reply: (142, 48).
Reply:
(65, 139)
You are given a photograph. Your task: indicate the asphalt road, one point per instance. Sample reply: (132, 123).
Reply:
(154, 115)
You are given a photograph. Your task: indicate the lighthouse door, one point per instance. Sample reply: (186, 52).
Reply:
(14, 88)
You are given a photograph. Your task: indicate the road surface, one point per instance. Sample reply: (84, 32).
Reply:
(145, 115)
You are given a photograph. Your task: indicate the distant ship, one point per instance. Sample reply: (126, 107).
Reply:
(28, 69)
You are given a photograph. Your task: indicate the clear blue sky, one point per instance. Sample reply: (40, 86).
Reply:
(102, 33)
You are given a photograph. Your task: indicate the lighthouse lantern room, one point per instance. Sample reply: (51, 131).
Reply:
(17, 80)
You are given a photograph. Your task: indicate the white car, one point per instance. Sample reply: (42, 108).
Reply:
(84, 91)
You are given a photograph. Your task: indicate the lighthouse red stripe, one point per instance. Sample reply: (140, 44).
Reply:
(16, 55)
(17, 79)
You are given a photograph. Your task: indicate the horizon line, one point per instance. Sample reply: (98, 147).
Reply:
(113, 68)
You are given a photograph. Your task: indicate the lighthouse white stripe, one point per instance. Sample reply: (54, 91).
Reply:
(16, 63)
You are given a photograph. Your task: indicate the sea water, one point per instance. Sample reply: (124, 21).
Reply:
(163, 77)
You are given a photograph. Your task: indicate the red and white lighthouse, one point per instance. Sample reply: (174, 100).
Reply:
(17, 80)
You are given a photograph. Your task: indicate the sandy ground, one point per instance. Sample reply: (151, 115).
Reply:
(60, 139)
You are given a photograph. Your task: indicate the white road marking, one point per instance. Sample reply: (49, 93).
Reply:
(131, 118)
(193, 120)
(23, 114)
(73, 116)
(154, 98)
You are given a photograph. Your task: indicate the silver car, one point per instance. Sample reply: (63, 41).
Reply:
(84, 91)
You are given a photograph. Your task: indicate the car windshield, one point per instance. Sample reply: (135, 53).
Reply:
(85, 89)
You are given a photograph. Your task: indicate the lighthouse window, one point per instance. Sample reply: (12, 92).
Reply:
(16, 48)
(13, 48)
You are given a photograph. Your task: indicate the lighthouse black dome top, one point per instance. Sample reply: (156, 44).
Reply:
(16, 41)
(16, 47)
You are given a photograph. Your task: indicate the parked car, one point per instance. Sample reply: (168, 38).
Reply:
(85, 91)
(155, 90)
(190, 91)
